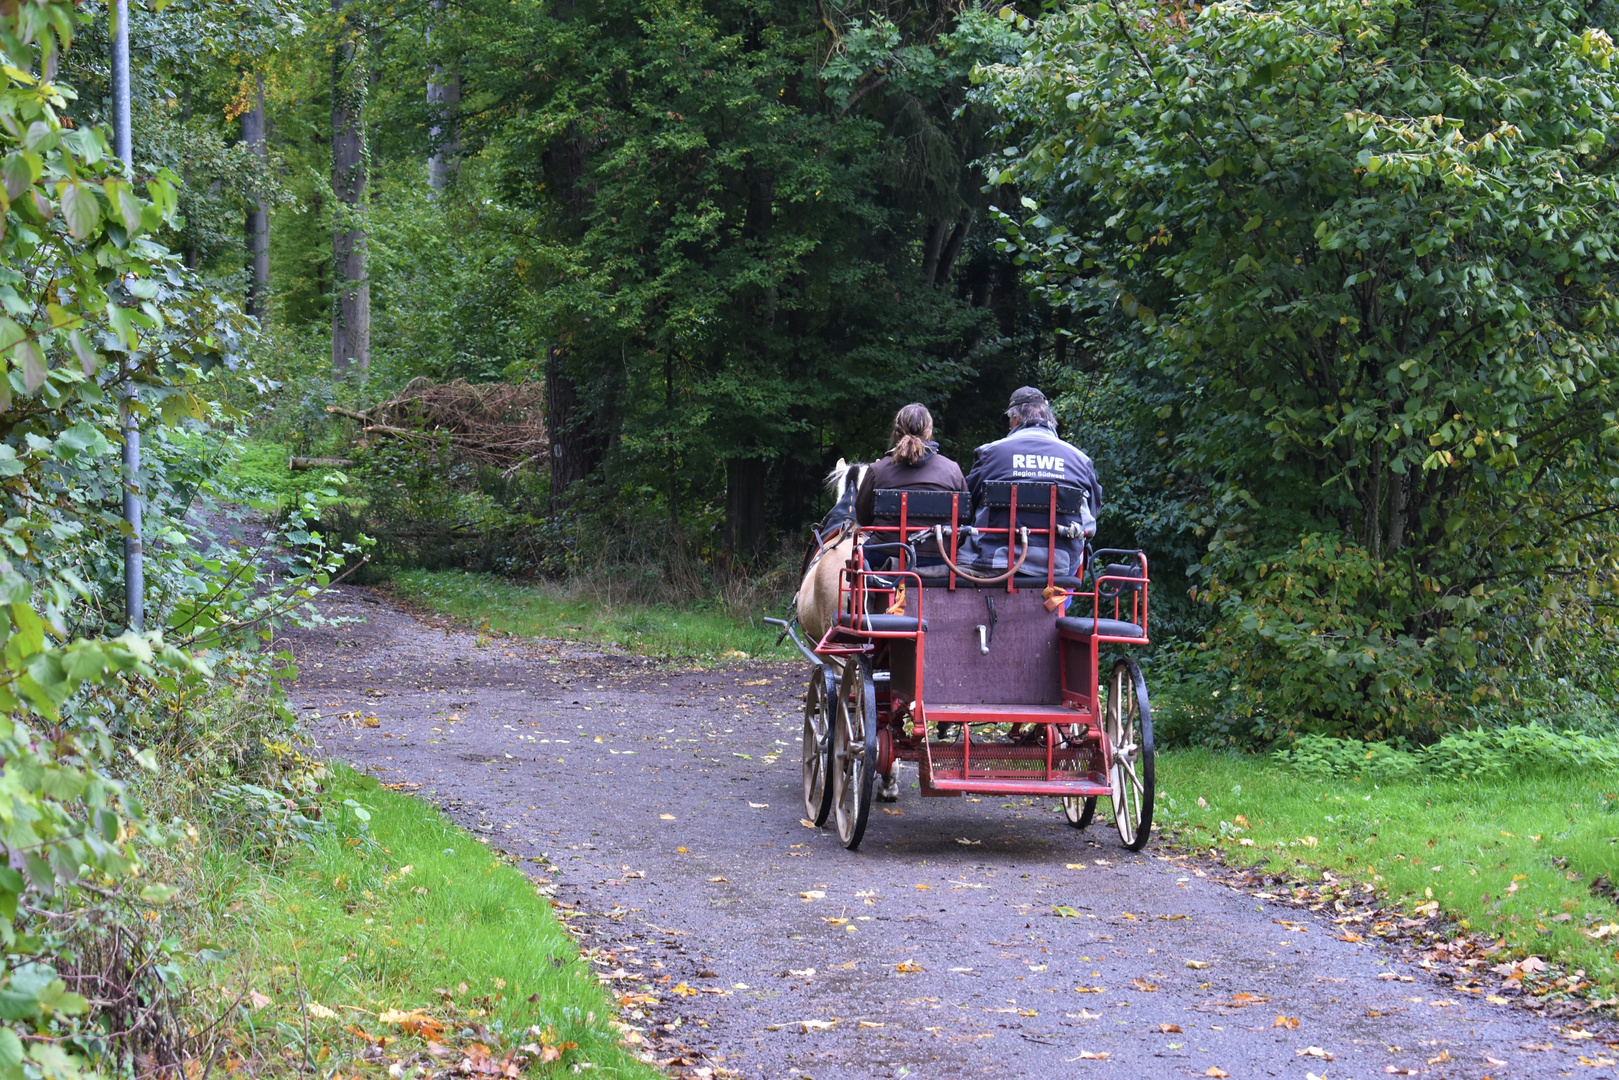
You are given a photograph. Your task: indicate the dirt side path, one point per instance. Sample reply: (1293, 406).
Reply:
(667, 802)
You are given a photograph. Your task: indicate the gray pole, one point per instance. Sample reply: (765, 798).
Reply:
(134, 575)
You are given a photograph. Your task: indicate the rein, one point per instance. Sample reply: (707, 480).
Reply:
(1023, 534)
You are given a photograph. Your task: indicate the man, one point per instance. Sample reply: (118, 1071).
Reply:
(1033, 452)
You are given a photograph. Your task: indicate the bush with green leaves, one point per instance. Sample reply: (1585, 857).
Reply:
(99, 320)
(1366, 253)
(1481, 754)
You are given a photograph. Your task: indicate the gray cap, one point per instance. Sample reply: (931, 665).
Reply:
(1025, 395)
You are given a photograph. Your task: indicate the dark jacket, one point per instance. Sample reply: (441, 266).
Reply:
(934, 472)
(1034, 453)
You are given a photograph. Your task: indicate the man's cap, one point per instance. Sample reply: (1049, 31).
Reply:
(1024, 395)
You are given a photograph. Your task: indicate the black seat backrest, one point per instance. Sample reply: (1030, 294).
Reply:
(922, 508)
(1033, 497)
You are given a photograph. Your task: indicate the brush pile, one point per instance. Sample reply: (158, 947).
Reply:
(501, 425)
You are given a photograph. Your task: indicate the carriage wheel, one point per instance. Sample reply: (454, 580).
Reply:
(820, 710)
(1127, 723)
(854, 750)
(1078, 809)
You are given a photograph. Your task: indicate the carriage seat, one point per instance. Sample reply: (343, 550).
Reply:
(1083, 626)
(883, 624)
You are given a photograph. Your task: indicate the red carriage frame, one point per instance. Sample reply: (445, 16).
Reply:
(1071, 738)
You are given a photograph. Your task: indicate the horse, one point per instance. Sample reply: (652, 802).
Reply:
(817, 601)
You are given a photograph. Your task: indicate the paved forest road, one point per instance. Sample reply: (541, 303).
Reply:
(669, 799)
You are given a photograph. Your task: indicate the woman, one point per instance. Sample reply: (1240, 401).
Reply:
(914, 464)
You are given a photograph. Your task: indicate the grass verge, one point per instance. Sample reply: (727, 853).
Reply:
(575, 611)
(406, 944)
(1527, 858)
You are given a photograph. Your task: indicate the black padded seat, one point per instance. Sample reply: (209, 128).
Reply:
(1084, 627)
(883, 624)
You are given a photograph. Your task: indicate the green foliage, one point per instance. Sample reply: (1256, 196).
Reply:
(1371, 269)
(1520, 750)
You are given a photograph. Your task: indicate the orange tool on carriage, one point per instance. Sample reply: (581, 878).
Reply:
(991, 686)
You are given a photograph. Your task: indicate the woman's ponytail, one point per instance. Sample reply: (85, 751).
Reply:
(913, 427)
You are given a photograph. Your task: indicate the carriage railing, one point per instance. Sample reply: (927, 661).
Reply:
(932, 523)
(1120, 588)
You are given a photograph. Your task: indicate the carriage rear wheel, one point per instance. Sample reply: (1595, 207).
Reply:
(1078, 809)
(854, 750)
(820, 712)
(1127, 723)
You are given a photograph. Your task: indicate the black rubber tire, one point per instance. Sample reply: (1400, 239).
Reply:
(1127, 723)
(854, 751)
(820, 712)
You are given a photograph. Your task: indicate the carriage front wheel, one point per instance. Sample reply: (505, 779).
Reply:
(854, 750)
(820, 713)
(1127, 723)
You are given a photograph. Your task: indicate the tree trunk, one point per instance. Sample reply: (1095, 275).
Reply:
(258, 218)
(573, 451)
(744, 508)
(443, 92)
(351, 305)
(952, 248)
(938, 232)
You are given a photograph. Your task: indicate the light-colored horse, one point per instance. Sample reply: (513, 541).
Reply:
(818, 591)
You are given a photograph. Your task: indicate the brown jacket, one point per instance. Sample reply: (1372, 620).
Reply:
(935, 472)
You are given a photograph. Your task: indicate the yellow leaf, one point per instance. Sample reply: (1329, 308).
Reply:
(906, 967)
(1197, 965)
(686, 991)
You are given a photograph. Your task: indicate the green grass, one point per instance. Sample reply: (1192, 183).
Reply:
(412, 914)
(261, 467)
(573, 611)
(1504, 857)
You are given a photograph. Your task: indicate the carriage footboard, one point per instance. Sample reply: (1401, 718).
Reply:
(1018, 752)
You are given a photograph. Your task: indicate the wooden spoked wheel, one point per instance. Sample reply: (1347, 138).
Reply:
(1127, 724)
(1077, 809)
(820, 712)
(854, 750)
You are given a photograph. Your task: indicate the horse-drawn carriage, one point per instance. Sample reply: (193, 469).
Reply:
(988, 680)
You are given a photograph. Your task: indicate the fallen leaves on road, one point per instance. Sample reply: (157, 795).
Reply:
(1216, 1072)
(808, 1026)
(906, 967)
(1315, 1052)
(870, 1024)
(1443, 1056)
(813, 894)
(924, 886)
(1395, 1070)
(685, 991)
(1170, 1029)
(666, 817)
(1598, 1061)
(1063, 911)
(1090, 1055)
(806, 822)
(964, 840)
(1285, 1022)
(1575, 1033)
(1197, 965)
(1090, 989)
(1144, 986)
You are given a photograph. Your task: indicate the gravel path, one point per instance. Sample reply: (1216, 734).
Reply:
(665, 804)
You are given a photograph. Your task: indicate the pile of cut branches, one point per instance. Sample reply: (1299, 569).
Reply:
(501, 425)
